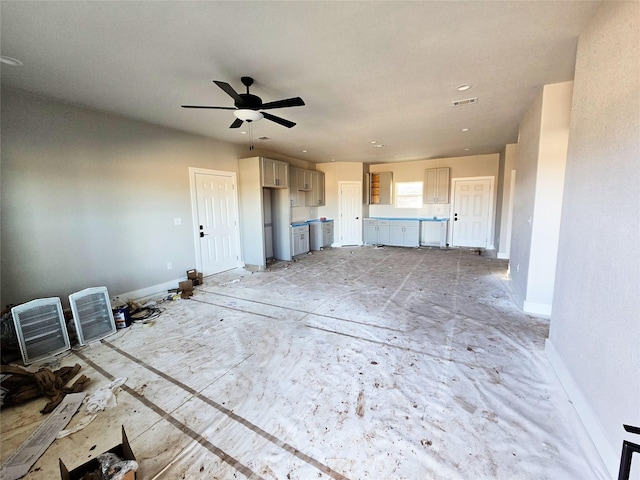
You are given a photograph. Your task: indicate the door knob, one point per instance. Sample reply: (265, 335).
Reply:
(202, 234)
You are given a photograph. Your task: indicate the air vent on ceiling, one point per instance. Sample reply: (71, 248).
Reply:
(263, 138)
(466, 101)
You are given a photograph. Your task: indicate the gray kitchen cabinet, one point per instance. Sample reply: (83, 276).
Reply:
(294, 193)
(315, 197)
(259, 207)
(275, 174)
(404, 233)
(299, 239)
(436, 185)
(376, 232)
(381, 188)
(304, 181)
(320, 235)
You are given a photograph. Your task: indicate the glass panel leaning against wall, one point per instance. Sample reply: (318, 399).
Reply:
(409, 195)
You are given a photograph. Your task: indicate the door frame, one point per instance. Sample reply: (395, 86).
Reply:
(194, 210)
(491, 218)
(338, 234)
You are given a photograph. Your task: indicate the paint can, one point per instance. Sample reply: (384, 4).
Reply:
(122, 317)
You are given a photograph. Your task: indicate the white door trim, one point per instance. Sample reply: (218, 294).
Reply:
(490, 220)
(194, 209)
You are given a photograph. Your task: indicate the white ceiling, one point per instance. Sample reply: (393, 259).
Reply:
(382, 72)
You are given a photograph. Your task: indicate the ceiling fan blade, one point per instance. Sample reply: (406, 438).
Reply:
(289, 102)
(236, 123)
(281, 121)
(204, 106)
(229, 89)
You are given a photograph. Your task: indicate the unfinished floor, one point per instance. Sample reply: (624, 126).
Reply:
(359, 363)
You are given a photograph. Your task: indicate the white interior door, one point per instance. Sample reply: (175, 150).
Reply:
(471, 212)
(350, 213)
(216, 216)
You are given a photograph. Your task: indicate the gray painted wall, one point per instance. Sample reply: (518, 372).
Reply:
(594, 339)
(524, 198)
(540, 167)
(89, 199)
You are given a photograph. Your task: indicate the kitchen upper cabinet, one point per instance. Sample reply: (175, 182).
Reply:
(275, 174)
(294, 193)
(305, 180)
(315, 197)
(381, 188)
(436, 185)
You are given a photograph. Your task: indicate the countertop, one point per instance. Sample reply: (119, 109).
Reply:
(420, 219)
(307, 222)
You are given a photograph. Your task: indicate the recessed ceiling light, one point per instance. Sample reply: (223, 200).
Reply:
(463, 87)
(466, 149)
(464, 129)
(10, 61)
(333, 159)
(304, 151)
(243, 132)
(378, 145)
(373, 142)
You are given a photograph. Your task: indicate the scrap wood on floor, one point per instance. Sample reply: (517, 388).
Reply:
(352, 363)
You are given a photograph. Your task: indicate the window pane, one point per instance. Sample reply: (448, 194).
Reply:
(409, 195)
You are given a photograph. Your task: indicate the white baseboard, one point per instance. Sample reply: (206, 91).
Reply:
(537, 308)
(589, 419)
(161, 288)
(503, 256)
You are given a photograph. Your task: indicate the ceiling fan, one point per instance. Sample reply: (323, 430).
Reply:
(248, 107)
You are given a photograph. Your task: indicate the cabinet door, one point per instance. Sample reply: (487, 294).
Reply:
(436, 185)
(370, 231)
(294, 196)
(304, 242)
(383, 232)
(304, 180)
(327, 234)
(318, 187)
(315, 197)
(396, 234)
(281, 174)
(412, 235)
(442, 185)
(268, 173)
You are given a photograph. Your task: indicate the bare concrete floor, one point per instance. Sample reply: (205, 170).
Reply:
(359, 363)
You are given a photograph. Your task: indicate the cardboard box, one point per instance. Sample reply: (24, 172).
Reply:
(186, 286)
(123, 451)
(192, 274)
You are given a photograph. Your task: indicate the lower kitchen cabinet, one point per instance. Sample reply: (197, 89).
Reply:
(399, 233)
(320, 235)
(299, 239)
(404, 233)
(376, 232)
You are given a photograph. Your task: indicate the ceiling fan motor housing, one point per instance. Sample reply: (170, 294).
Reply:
(249, 101)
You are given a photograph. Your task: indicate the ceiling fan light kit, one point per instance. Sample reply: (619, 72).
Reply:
(248, 115)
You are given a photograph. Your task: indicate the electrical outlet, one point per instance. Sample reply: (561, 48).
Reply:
(517, 268)
(169, 266)
(177, 221)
